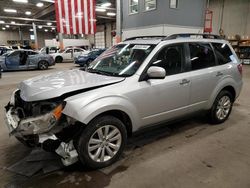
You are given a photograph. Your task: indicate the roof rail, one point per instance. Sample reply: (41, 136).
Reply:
(197, 35)
(146, 37)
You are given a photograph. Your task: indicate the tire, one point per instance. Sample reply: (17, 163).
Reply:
(59, 59)
(221, 108)
(96, 129)
(43, 65)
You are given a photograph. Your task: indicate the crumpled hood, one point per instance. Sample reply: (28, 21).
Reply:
(56, 84)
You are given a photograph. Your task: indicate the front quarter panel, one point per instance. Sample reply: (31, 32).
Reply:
(86, 110)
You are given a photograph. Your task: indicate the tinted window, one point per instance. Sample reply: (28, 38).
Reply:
(202, 56)
(32, 53)
(77, 50)
(15, 53)
(69, 51)
(170, 58)
(223, 53)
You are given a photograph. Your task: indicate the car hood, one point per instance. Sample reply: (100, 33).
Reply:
(60, 83)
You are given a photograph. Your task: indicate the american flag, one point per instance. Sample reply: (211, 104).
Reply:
(76, 16)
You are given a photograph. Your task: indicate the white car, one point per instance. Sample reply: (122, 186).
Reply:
(68, 54)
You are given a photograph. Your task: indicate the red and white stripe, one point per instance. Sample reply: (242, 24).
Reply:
(76, 16)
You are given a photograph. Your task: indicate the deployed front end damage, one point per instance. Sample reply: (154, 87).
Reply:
(43, 124)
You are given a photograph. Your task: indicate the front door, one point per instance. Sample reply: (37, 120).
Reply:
(12, 61)
(68, 55)
(163, 99)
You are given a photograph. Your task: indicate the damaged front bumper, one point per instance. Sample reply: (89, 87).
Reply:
(46, 131)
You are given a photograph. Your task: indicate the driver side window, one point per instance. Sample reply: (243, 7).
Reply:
(171, 59)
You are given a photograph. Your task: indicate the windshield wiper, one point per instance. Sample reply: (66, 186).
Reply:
(99, 72)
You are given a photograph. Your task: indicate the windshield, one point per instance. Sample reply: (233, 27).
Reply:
(121, 60)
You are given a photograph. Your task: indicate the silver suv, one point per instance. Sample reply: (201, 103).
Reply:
(88, 115)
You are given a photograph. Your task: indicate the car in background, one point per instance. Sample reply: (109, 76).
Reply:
(49, 50)
(1, 70)
(25, 59)
(68, 54)
(86, 59)
(4, 49)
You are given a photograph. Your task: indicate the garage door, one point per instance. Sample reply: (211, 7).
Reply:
(100, 40)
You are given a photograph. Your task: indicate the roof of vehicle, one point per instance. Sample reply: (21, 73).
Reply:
(182, 37)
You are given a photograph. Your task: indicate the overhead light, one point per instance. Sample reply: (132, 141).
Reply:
(7, 26)
(111, 14)
(40, 27)
(49, 1)
(49, 23)
(31, 30)
(53, 28)
(100, 10)
(13, 22)
(28, 13)
(2, 22)
(108, 4)
(20, 1)
(9, 10)
(39, 4)
(4, 28)
(46, 30)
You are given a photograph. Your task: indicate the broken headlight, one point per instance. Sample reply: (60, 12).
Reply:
(42, 123)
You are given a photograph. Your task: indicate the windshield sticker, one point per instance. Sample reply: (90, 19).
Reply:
(141, 47)
(233, 59)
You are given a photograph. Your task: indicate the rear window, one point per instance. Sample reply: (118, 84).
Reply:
(202, 56)
(222, 52)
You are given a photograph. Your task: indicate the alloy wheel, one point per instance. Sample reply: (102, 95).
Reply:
(104, 143)
(223, 107)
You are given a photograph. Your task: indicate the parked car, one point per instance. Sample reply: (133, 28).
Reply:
(88, 115)
(25, 59)
(86, 59)
(4, 49)
(49, 50)
(1, 70)
(68, 54)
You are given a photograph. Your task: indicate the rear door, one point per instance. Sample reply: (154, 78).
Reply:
(77, 52)
(202, 67)
(32, 59)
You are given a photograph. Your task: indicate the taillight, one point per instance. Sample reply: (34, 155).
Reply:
(240, 68)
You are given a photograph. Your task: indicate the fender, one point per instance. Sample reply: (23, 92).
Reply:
(224, 82)
(87, 112)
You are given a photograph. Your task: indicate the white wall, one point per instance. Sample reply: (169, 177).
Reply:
(163, 30)
(14, 35)
(236, 16)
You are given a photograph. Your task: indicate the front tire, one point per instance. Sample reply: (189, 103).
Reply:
(222, 107)
(102, 142)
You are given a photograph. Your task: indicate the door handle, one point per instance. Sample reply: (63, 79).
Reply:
(219, 74)
(184, 81)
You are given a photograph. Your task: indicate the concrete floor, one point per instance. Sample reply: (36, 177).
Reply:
(187, 154)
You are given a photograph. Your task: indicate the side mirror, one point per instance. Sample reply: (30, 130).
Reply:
(156, 72)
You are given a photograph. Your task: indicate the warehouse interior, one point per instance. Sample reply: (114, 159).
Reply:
(113, 93)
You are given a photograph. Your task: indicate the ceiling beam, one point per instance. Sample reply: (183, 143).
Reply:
(25, 19)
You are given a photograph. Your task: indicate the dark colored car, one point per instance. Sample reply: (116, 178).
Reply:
(85, 60)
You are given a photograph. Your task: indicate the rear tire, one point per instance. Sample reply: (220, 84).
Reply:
(59, 59)
(221, 108)
(43, 65)
(102, 142)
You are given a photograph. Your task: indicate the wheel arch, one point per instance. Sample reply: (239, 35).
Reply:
(122, 116)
